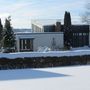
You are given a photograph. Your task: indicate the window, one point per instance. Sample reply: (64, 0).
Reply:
(80, 34)
(26, 44)
(84, 34)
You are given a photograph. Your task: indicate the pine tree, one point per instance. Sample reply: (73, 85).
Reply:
(67, 21)
(67, 29)
(9, 38)
(1, 33)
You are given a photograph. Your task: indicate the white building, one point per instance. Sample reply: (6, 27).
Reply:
(41, 35)
(31, 41)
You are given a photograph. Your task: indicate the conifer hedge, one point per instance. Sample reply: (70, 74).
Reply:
(42, 62)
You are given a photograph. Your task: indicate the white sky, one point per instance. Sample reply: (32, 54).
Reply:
(22, 11)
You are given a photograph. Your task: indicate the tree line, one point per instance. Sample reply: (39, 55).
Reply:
(7, 38)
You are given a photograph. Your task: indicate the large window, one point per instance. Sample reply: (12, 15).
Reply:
(26, 44)
(80, 39)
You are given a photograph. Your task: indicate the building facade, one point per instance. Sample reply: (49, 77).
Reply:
(80, 35)
(31, 41)
(51, 35)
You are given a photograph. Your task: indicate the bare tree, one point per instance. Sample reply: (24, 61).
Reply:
(86, 15)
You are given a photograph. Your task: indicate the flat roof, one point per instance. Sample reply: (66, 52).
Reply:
(31, 33)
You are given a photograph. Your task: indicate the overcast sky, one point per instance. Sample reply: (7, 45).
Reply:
(22, 11)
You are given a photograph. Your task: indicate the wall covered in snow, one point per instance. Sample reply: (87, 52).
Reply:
(45, 54)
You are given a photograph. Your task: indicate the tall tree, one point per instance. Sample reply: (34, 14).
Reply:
(9, 38)
(1, 32)
(67, 21)
(67, 29)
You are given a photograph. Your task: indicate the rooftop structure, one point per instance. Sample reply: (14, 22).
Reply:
(45, 22)
(44, 25)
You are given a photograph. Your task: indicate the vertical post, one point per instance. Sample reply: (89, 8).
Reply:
(17, 43)
(89, 31)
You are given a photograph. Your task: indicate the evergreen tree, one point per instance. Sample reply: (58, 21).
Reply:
(67, 29)
(67, 21)
(9, 38)
(1, 32)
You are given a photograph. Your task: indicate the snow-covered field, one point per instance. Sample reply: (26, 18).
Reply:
(60, 78)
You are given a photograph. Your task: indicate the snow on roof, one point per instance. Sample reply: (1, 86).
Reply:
(60, 78)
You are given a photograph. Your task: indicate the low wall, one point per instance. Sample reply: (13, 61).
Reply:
(42, 62)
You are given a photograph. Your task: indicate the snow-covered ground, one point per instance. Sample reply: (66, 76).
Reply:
(60, 78)
(45, 54)
(73, 52)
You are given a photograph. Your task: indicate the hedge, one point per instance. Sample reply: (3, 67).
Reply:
(42, 62)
